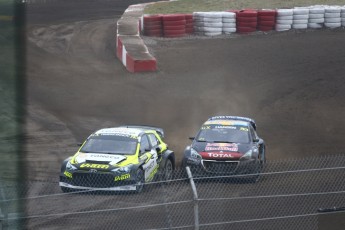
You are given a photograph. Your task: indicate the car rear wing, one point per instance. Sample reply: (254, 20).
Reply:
(160, 131)
(237, 118)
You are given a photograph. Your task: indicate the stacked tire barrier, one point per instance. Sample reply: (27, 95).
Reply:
(246, 21)
(174, 25)
(316, 17)
(266, 20)
(229, 22)
(343, 17)
(332, 17)
(189, 24)
(284, 19)
(300, 18)
(153, 26)
(208, 23)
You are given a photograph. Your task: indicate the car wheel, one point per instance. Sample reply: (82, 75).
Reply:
(140, 181)
(168, 170)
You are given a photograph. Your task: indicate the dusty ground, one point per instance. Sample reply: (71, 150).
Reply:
(291, 83)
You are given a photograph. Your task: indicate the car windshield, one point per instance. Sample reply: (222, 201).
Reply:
(226, 134)
(111, 144)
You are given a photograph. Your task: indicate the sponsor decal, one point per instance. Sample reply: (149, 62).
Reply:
(244, 129)
(114, 159)
(221, 155)
(122, 177)
(224, 127)
(68, 174)
(96, 166)
(230, 147)
(192, 160)
(219, 122)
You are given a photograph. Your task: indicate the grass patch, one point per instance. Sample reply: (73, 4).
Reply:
(189, 6)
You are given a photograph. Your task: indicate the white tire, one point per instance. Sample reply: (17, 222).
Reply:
(208, 19)
(213, 33)
(229, 25)
(333, 25)
(212, 29)
(198, 28)
(213, 14)
(343, 24)
(300, 11)
(316, 11)
(213, 24)
(229, 30)
(288, 17)
(299, 26)
(317, 20)
(284, 12)
(282, 27)
(315, 25)
(198, 24)
(312, 16)
(333, 10)
(284, 22)
(302, 21)
(229, 20)
(300, 16)
(342, 15)
(332, 20)
(343, 20)
(332, 15)
(228, 15)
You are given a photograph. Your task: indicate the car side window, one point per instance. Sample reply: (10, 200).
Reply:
(153, 139)
(144, 144)
(253, 133)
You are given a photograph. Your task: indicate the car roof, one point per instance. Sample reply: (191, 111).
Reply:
(226, 122)
(120, 130)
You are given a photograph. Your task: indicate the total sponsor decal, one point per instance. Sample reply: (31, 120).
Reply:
(229, 147)
(221, 155)
(114, 159)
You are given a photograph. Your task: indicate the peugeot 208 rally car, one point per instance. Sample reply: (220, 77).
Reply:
(117, 159)
(226, 145)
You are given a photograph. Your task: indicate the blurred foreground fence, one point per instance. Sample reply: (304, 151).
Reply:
(289, 195)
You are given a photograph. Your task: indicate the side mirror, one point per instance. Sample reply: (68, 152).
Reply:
(191, 138)
(158, 149)
(256, 140)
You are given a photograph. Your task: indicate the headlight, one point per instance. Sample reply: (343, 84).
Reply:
(194, 153)
(70, 167)
(125, 169)
(247, 155)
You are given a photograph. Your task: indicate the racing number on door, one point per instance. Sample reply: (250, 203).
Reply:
(152, 156)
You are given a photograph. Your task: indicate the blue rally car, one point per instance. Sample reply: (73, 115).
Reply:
(226, 145)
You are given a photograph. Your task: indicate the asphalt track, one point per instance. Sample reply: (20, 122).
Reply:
(291, 83)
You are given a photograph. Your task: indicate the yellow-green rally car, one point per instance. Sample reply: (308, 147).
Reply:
(118, 159)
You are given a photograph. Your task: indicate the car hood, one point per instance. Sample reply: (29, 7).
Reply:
(221, 151)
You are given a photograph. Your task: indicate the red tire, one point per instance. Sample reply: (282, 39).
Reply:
(153, 23)
(173, 17)
(267, 13)
(246, 19)
(266, 18)
(245, 29)
(174, 32)
(247, 24)
(154, 27)
(189, 30)
(188, 16)
(266, 28)
(153, 18)
(174, 23)
(189, 21)
(179, 27)
(266, 23)
(247, 13)
(189, 25)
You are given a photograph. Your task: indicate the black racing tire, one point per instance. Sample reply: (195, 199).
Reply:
(140, 181)
(168, 171)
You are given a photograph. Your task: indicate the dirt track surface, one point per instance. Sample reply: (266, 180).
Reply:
(291, 83)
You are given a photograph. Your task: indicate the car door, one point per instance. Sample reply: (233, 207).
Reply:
(150, 166)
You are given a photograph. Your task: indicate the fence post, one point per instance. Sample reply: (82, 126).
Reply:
(195, 198)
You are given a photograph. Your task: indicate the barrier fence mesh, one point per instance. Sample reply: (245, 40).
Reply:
(287, 195)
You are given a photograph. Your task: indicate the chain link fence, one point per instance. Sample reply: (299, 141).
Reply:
(287, 195)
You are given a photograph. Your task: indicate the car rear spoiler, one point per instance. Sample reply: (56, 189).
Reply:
(251, 121)
(160, 131)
